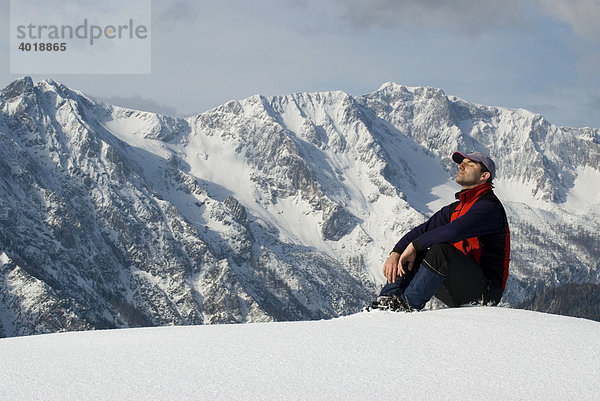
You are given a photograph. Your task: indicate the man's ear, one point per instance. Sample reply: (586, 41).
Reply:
(485, 176)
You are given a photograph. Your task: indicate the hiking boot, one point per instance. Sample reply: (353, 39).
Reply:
(390, 302)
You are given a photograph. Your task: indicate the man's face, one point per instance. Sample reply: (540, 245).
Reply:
(470, 174)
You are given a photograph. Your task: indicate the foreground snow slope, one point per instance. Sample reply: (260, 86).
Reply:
(468, 353)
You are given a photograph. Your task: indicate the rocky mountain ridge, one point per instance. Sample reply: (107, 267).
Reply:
(267, 208)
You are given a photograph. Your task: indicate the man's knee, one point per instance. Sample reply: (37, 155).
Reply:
(464, 281)
(442, 248)
(438, 258)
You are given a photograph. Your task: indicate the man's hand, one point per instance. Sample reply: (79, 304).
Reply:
(396, 263)
(391, 267)
(407, 259)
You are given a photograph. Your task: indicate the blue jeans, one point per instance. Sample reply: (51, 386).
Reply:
(443, 271)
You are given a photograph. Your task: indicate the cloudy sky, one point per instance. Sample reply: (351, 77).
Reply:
(541, 55)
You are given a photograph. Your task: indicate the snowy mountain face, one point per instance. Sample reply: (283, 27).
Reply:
(268, 208)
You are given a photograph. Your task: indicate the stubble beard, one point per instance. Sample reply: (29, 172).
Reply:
(465, 181)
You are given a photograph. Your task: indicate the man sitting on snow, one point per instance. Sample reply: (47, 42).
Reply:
(460, 254)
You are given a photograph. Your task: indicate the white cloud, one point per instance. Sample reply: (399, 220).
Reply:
(168, 14)
(469, 16)
(474, 16)
(582, 15)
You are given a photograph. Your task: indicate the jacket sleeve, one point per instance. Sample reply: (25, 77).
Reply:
(484, 217)
(439, 219)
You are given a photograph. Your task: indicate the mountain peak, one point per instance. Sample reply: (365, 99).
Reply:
(422, 90)
(393, 86)
(18, 87)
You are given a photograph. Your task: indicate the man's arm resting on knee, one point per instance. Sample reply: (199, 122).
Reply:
(396, 264)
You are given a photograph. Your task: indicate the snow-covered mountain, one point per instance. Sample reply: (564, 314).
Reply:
(268, 208)
(480, 353)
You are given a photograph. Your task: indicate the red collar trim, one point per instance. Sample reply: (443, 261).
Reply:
(469, 195)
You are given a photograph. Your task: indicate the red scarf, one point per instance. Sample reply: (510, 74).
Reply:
(468, 197)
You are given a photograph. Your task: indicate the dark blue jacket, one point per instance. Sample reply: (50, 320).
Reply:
(483, 226)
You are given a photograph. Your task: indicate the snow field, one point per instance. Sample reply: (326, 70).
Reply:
(468, 353)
